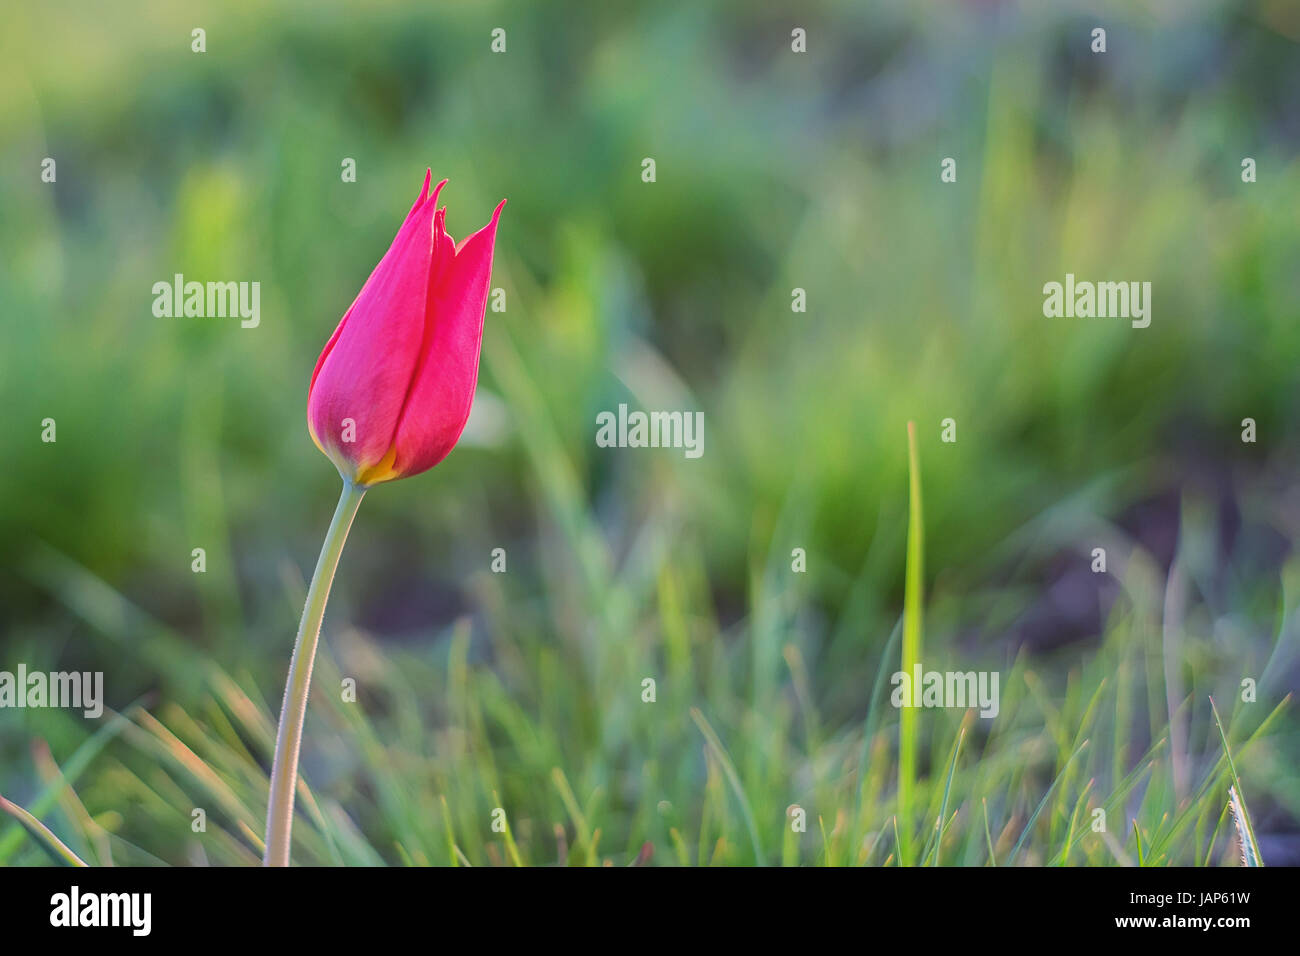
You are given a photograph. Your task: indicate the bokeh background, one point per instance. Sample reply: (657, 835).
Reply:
(775, 170)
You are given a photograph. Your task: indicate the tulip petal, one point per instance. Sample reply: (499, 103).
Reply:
(366, 368)
(424, 194)
(442, 388)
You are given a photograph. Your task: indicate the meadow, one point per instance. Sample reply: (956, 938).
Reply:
(771, 586)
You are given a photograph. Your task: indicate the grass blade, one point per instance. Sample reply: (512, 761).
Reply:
(907, 725)
(988, 836)
(947, 791)
(56, 848)
(1042, 803)
(732, 778)
(1245, 830)
(72, 769)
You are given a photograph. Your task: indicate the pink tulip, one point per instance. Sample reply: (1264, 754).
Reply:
(389, 398)
(392, 389)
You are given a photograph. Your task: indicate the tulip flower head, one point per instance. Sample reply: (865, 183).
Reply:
(393, 387)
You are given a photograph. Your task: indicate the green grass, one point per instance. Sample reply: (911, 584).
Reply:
(1237, 803)
(440, 741)
(913, 588)
(42, 835)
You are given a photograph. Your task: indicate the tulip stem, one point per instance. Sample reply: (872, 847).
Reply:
(284, 769)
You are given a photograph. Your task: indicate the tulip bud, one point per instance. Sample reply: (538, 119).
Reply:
(392, 389)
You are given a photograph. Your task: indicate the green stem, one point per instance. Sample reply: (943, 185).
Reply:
(913, 578)
(284, 769)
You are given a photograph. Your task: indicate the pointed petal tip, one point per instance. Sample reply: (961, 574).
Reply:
(424, 193)
(488, 231)
(434, 195)
(491, 225)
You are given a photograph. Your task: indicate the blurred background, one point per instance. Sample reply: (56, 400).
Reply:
(775, 170)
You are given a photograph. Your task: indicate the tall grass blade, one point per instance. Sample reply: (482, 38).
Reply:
(1015, 850)
(733, 778)
(1240, 816)
(947, 792)
(907, 727)
(72, 769)
(56, 848)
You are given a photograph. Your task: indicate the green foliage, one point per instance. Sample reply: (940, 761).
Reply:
(522, 691)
